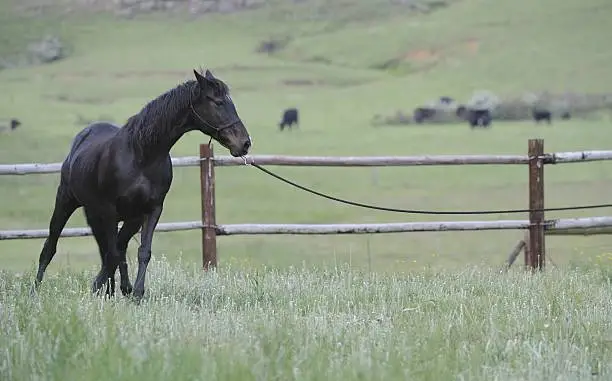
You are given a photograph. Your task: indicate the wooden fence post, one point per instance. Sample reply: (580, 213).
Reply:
(537, 247)
(207, 184)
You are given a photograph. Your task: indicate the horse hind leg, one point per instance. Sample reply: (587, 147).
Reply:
(104, 230)
(65, 205)
(127, 231)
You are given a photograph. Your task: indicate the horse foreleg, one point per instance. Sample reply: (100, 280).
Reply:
(126, 232)
(144, 251)
(65, 205)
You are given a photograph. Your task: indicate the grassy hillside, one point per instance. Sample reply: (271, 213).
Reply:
(509, 46)
(329, 70)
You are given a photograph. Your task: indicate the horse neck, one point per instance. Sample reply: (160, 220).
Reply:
(153, 140)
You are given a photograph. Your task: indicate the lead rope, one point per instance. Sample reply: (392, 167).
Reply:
(414, 211)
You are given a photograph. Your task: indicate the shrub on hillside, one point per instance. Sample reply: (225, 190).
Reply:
(483, 100)
(512, 109)
(399, 118)
(49, 49)
(441, 116)
(272, 45)
(576, 104)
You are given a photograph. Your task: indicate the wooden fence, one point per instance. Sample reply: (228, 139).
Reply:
(536, 227)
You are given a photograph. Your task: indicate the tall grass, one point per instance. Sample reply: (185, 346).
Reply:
(118, 65)
(312, 324)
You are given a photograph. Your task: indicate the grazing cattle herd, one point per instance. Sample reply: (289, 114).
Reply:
(478, 113)
(476, 117)
(447, 110)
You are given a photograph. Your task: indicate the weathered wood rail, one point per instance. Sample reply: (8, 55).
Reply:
(537, 226)
(348, 161)
(601, 225)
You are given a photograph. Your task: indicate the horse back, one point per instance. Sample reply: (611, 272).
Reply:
(87, 146)
(95, 132)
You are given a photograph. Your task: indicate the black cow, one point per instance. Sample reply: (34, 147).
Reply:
(12, 125)
(461, 111)
(480, 118)
(290, 116)
(539, 115)
(420, 114)
(566, 115)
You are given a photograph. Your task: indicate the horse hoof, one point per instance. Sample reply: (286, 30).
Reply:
(126, 290)
(96, 290)
(137, 296)
(34, 290)
(97, 286)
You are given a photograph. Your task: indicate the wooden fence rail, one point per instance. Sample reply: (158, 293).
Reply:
(550, 226)
(345, 161)
(537, 226)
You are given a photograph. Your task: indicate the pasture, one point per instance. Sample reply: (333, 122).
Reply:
(423, 306)
(309, 323)
(104, 80)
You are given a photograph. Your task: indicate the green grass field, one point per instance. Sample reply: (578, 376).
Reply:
(418, 306)
(312, 324)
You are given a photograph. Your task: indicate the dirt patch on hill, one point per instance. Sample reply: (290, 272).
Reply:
(422, 55)
(472, 45)
(426, 58)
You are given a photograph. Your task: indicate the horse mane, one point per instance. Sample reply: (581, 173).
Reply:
(159, 117)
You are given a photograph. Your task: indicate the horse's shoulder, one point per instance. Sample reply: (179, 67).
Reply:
(93, 131)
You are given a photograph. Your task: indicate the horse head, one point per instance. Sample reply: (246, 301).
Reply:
(216, 115)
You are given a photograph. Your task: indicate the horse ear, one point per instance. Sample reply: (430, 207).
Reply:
(209, 75)
(201, 80)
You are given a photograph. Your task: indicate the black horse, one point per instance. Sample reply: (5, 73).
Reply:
(123, 174)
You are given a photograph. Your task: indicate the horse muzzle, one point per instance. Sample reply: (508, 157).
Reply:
(242, 149)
